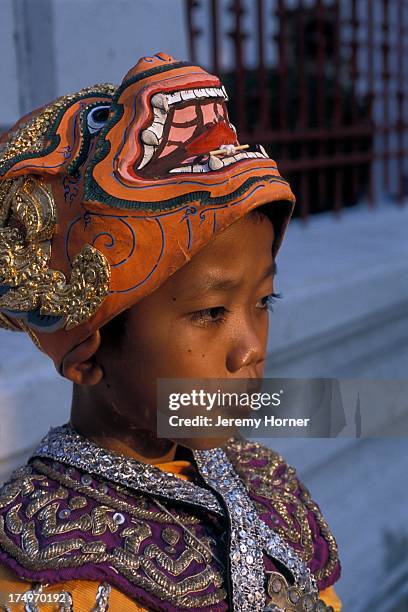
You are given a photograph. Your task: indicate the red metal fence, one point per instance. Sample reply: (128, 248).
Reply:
(321, 83)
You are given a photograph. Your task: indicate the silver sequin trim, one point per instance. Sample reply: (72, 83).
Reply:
(65, 444)
(249, 536)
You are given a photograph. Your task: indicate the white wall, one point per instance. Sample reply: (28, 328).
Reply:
(52, 47)
(109, 37)
(9, 103)
(33, 397)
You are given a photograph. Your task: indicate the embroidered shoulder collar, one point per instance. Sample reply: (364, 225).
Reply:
(250, 536)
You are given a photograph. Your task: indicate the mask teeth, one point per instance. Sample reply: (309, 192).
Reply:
(152, 135)
(160, 116)
(148, 154)
(260, 149)
(217, 163)
(196, 94)
(159, 101)
(149, 137)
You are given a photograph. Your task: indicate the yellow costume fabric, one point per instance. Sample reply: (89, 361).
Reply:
(84, 592)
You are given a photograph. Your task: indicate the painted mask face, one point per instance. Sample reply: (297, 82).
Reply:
(174, 116)
(107, 192)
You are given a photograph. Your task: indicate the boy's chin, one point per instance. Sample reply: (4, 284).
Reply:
(205, 443)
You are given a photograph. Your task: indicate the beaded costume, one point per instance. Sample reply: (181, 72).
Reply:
(103, 195)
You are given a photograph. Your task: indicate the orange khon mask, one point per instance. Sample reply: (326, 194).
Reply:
(107, 192)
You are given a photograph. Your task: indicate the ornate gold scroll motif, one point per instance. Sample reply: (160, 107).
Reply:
(89, 286)
(38, 520)
(25, 253)
(22, 482)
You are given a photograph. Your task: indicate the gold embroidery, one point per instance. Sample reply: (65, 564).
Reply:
(262, 480)
(174, 566)
(134, 536)
(323, 573)
(197, 582)
(25, 255)
(102, 520)
(50, 526)
(203, 548)
(170, 536)
(29, 541)
(179, 593)
(123, 558)
(41, 498)
(30, 556)
(91, 548)
(22, 483)
(149, 567)
(77, 502)
(13, 521)
(96, 522)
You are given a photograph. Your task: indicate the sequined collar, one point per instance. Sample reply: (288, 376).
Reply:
(249, 535)
(65, 444)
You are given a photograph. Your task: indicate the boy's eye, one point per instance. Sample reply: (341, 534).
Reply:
(267, 301)
(209, 316)
(217, 314)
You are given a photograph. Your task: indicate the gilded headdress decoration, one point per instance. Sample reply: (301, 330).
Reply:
(30, 291)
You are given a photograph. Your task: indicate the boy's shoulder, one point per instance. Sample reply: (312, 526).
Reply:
(56, 521)
(286, 505)
(59, 523)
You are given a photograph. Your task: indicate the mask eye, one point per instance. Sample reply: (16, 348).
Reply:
(97, 118)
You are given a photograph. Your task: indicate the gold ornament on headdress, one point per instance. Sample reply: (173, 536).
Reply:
(27, 224)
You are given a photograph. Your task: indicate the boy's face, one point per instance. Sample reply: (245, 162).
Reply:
(208, 320)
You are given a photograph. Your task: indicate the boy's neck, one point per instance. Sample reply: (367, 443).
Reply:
(108, 429)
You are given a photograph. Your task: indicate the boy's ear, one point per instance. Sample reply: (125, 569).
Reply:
(79, 364)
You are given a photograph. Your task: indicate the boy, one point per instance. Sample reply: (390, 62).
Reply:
(138, 241)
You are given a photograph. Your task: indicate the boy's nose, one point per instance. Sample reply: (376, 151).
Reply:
(247, 356)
